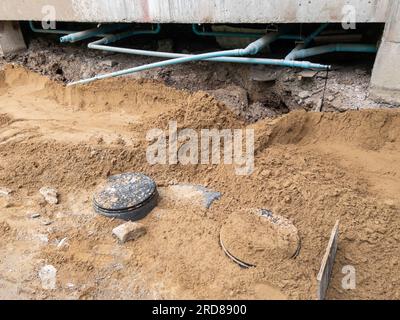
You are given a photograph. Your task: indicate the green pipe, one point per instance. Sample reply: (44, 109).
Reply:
(116, 37)
(312, 36)
(54, 31)
(240, 34)
(85, 34)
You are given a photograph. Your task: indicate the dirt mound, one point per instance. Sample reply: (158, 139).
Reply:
(367, 129)
(200, 111)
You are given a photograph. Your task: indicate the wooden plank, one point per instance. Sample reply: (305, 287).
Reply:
(328, 260)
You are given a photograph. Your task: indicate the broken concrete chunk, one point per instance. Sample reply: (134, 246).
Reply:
(49, 194)
(5, 191)
(129, 231)
(304, 94)
(307, 74)
(330, 98)
(47, 275)
(108, 63)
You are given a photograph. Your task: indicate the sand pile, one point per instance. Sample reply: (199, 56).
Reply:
(309, 168)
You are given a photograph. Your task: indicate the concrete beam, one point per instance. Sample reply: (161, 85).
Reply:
(193, 11)
(11, 39)
(385, 82)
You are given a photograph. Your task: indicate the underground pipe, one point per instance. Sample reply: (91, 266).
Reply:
(94, 32)
(307, 41)
(252, 49)
(341, 47)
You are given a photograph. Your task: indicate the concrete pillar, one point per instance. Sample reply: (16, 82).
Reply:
(385, 82)
(11, 39)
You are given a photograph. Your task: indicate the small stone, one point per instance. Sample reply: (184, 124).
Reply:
(42, 238)
(93, 153)
(266, 173)
(288, 199)
(62, 243)
(47, 222)
(49, 194)
(129, 231)
(390, 203)
(5, 191)
(330, 98)
(47, 275)
(34, 215)
(304, 94)
(287, 184)
(307, 74)
(70, 286)
(108, 63)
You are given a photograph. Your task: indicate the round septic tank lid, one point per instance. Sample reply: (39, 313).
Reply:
(259, 237)
(128, 196)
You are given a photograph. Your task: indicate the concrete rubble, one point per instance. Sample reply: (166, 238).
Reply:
(49, 194)
(129, 231)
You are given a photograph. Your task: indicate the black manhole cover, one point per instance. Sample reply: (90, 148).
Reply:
(128, 196)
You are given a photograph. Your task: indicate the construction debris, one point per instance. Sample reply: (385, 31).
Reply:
(129, 231)
(49, 194)
(47, 275)
(5, 191)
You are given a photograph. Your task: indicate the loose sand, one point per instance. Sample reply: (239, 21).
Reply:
(311, 168)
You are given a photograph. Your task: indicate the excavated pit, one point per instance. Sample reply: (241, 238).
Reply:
(311, 168)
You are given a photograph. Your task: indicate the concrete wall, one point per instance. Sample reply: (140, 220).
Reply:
(11, 39)
(385, 82)
(191, 11)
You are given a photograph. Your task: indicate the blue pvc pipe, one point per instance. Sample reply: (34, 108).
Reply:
(82, 35)
(312, 36)
(159, 54)
(305, 53)
(252, 49)
(226, 55)
(53, 31)
(275, 62)
(307, 41)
